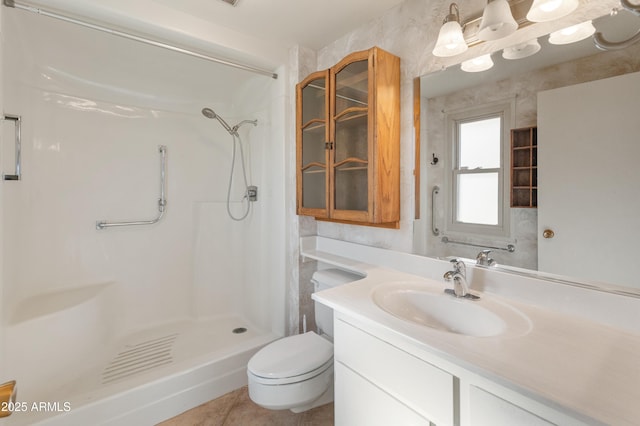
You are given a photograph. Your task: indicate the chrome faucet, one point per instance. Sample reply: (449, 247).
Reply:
(459, 278)
(483, 259)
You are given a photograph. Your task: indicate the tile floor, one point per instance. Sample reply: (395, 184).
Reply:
(235, 408)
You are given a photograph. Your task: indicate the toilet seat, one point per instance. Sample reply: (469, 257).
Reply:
(291, 359)
(294, 379)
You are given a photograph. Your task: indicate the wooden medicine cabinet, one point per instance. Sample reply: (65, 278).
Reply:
(348, 141)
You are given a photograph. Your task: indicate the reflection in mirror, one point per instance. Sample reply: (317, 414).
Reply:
(588, 182)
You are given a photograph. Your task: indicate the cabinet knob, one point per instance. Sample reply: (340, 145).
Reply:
(548, 233)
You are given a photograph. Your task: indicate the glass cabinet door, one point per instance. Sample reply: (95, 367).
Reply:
(350, 159)
(348, 141)
(313, 137)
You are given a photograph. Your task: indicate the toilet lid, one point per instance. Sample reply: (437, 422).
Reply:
(291, 356)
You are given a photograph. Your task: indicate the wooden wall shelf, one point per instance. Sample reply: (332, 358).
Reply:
(524, 167)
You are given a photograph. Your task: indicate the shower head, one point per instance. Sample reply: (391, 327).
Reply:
(209, 113)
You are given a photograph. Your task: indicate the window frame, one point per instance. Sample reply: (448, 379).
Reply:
(453, 119)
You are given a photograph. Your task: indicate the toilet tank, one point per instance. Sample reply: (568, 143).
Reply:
(322, 280)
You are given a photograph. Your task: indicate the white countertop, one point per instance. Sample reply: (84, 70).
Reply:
(584, 368)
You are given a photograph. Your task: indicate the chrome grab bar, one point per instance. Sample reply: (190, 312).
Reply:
(435, 191)
(17, 121)
(510, 247)
(162, 202)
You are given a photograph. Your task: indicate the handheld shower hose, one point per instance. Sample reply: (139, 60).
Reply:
(233, 131)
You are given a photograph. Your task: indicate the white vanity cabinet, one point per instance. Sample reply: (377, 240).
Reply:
(403, 385)
(487, 409)
(382, 383)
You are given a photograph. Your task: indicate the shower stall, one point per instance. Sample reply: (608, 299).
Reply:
(132, 324)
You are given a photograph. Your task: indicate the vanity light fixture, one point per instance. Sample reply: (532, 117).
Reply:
(572, 34)
(481, 63)
(450, 39)
(548, 10)
(522, 50)
(497, 21)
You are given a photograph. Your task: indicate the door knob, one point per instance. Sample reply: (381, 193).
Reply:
(548, 233)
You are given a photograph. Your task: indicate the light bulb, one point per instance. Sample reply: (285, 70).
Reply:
(522, 50)
(450, 39)
(548, 10)
(481, 63)
(550, 5)
(497, 21)
(572, 34)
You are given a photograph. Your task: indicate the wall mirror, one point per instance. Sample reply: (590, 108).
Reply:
(581, 169)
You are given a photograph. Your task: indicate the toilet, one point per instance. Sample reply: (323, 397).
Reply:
(296, 372)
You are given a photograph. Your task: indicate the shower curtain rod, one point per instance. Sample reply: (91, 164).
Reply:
(39, 11)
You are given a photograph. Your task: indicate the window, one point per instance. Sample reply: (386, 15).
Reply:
(478, 202)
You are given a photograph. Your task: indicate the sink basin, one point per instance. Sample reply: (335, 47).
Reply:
(429, 306)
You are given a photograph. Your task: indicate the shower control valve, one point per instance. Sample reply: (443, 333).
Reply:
(252, 193)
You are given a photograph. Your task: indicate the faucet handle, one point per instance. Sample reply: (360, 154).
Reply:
(483, 258)
(458, 265)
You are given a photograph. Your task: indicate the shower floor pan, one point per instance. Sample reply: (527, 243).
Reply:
(150, 376)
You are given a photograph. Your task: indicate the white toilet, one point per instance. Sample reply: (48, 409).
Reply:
(296, 372)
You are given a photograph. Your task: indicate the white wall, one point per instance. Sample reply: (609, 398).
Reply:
(184, 25)
(95, 108)
(263, 249)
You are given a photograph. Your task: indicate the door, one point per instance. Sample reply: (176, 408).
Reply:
(350, 172)
(589, 180)
(312, 147)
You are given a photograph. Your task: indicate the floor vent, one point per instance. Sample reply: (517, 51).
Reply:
(134, 359)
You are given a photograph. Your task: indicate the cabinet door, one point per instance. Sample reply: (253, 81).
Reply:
(425, 389)
(359, 402)
(312, 147)
(349, 159)
(348, 141)
(486, 409)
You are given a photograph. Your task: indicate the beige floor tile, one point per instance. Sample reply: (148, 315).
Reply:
(320, 416)
(246, 412)
(237, 409)
(212, 413)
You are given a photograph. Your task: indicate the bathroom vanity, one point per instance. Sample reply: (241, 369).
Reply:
(529, 352)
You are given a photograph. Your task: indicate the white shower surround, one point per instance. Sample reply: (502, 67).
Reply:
(95, 108)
